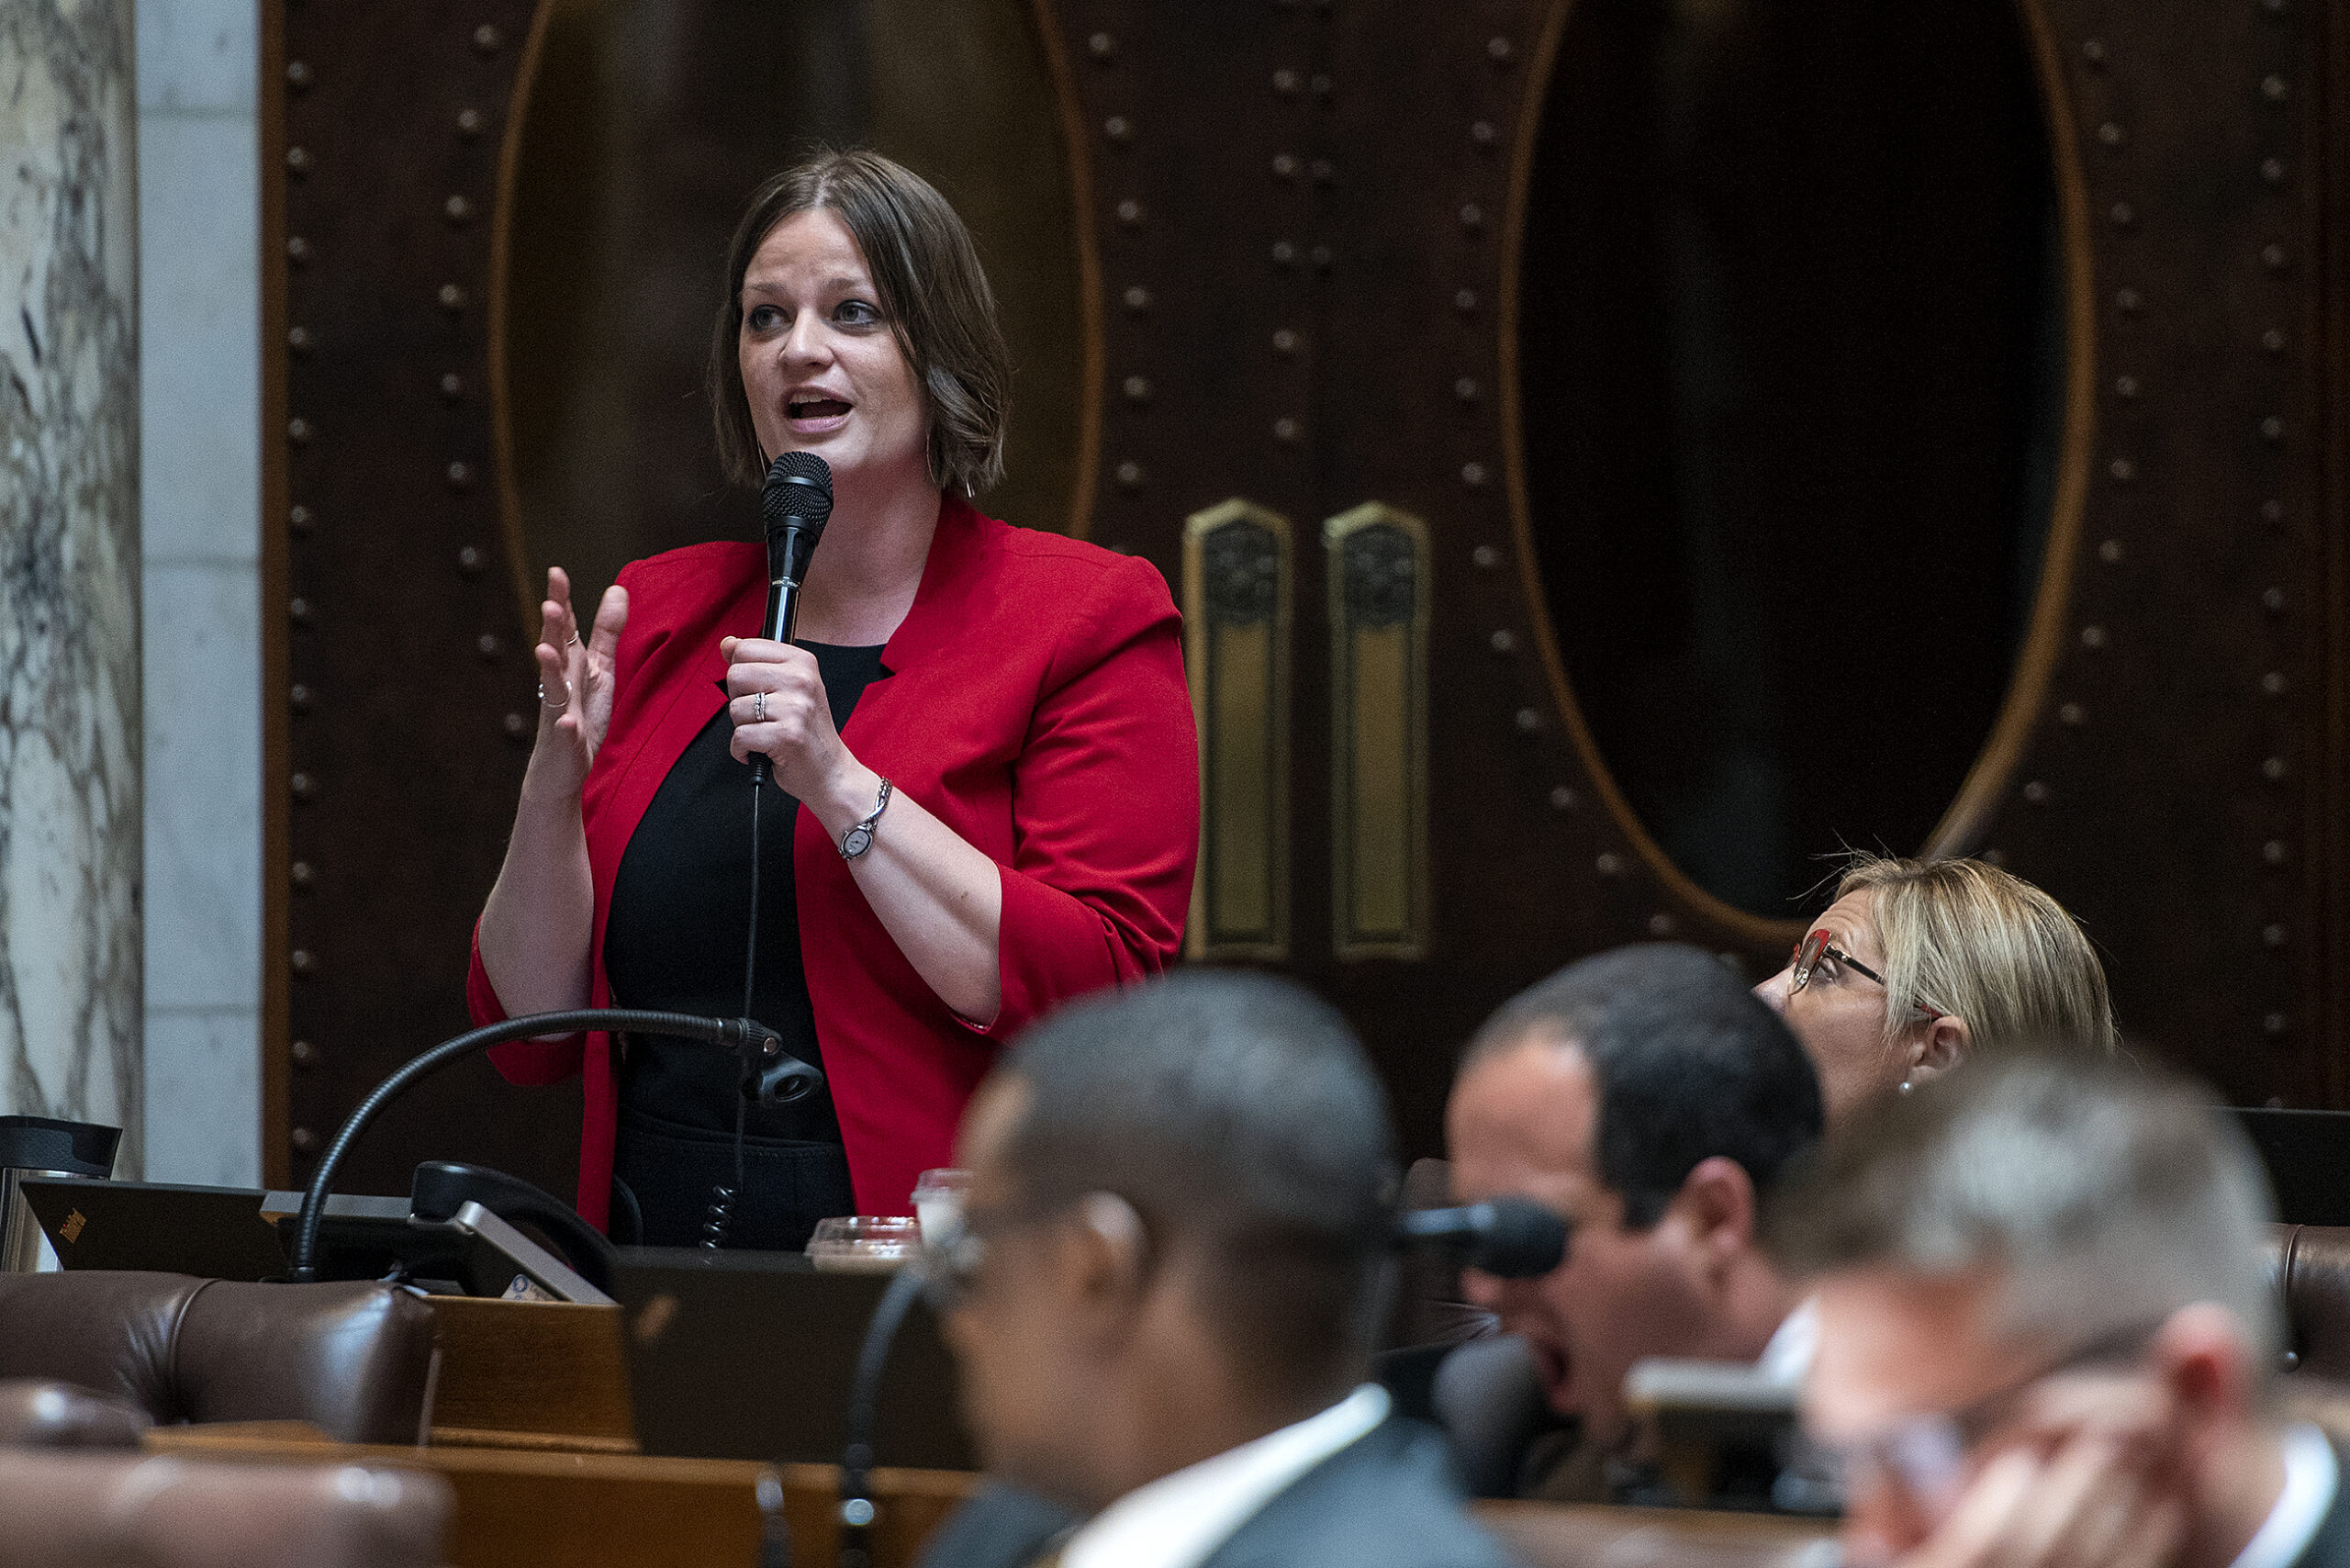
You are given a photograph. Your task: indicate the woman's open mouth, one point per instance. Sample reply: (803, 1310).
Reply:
(815, 411)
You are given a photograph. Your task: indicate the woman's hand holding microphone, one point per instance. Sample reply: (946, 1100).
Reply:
(776, 698)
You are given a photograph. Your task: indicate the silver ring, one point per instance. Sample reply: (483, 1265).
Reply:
(560, 707)
(758, 706)
(573, 641)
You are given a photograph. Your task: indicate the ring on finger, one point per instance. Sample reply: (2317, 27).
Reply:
(552, 707)
(573, 640)
(758, 706)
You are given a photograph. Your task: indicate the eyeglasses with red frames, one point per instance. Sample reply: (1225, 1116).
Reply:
(1820, 945)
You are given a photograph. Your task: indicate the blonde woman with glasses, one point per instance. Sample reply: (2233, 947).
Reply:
(1919, 963)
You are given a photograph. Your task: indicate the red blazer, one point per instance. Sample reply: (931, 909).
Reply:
(1034, 700)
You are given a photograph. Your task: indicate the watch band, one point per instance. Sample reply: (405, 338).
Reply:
(860, 839)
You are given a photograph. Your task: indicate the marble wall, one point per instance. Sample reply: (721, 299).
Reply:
(70, 741)
(200, 388)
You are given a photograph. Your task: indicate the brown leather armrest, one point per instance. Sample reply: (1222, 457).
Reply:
(36, 1415)
(88, 1509)
(350, 1358)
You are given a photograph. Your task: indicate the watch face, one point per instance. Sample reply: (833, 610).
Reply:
(857, 842)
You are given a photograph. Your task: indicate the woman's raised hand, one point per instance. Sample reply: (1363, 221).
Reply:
(574, 684)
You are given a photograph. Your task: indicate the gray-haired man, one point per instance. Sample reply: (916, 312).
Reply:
(2046, 1331)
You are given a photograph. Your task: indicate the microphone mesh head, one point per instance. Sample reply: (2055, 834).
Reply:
(1523, 1240)
(798, 484)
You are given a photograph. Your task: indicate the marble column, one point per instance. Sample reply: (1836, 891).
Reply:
(199, 551)
(70, 823)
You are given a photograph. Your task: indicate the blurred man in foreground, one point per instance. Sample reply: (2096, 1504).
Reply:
(1171, 1274)
(2046, 1331)
(1645, 1096)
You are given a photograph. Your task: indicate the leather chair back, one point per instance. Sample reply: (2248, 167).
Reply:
(2310, 1264)
(66, 1510)
(351, 1359)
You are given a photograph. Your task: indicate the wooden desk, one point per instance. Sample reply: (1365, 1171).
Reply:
(538, 1509)
(534, 1508)
(1562, 1535)
(532, 1427)
(527, 1374)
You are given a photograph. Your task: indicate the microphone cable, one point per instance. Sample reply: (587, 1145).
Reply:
(722, 1199)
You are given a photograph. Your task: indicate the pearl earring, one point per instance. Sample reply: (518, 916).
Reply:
(1906, 1086)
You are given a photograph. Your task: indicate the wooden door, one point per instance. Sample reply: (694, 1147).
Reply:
(1319, 292)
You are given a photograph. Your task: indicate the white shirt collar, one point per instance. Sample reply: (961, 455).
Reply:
(1787, 1358)
(1179, 1520)
(2313, 1476)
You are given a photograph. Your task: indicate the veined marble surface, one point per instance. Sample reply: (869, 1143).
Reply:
(70, 808)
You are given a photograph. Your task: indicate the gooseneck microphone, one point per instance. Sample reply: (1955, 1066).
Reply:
(769, 1073)
(1512, 1239)
(858, 1510)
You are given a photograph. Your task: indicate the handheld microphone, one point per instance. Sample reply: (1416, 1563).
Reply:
(797, 502)
(1512, 1239)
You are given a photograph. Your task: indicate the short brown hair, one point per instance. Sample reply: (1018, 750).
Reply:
(1237, 1112)
(933, 289)
(1689, 1064)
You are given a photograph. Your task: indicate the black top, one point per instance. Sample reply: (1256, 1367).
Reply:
(2329, 1547)
(677, 934)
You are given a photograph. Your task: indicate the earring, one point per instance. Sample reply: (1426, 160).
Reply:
(1906, 1086)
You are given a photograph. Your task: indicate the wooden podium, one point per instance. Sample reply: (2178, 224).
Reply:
(527, 1374)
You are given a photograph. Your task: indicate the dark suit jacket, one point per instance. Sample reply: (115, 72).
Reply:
(1387, 1500)
(2330, 1548)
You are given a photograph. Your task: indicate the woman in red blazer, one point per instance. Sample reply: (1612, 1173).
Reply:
(987, 727)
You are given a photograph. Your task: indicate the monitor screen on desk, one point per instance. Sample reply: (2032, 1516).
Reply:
(749, 1355)
(216, 1233)
(238, 1233)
